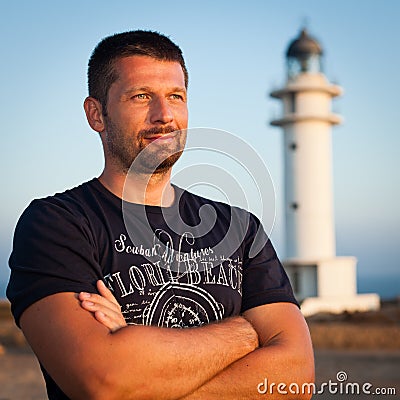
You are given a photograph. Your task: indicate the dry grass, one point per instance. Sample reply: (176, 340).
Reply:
(374, 330)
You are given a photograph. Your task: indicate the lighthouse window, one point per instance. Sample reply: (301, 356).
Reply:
(293, 146)
(296, 281)
(294, 206)
(292, 102)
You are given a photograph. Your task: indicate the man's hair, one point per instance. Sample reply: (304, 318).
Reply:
(101, 71)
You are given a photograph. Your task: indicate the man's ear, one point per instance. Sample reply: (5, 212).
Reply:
(94, 114)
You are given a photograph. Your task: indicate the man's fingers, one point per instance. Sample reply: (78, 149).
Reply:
(104, 307)
(112, 319)
(109, 302)
(96, 302)
(105, 292)
(113, 324)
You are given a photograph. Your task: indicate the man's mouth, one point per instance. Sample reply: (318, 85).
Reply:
(161, 136)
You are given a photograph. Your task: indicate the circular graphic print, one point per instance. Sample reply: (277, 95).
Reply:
(180, 305)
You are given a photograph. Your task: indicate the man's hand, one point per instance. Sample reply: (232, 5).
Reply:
(104, 307)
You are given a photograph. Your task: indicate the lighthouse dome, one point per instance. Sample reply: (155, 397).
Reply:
(304, 46)
(304, 55)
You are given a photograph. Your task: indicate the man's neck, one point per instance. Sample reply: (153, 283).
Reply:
(154, 190)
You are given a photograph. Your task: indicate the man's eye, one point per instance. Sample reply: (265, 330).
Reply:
(176, 96)
(140, 96)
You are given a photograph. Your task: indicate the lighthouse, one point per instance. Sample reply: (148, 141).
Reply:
(322, 281)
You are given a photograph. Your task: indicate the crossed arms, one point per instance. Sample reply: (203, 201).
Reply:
(224, 360)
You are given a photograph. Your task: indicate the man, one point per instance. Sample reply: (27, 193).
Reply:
(244, 322)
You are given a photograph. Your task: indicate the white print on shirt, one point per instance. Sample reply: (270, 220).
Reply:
(178, 305)
(170, 296)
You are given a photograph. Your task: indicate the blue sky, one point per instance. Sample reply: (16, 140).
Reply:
(235, 56)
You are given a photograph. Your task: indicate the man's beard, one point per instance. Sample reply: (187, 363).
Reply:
(156, 159)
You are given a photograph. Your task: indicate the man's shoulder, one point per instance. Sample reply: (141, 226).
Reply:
(71, 202)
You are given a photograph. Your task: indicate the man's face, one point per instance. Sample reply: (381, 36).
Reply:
(145, 103)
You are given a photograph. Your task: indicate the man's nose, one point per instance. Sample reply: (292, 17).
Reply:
(161, 112)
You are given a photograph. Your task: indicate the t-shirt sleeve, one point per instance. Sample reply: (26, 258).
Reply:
(264, 279)
(52, 252)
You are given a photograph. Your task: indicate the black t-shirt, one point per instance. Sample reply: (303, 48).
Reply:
(195, 262)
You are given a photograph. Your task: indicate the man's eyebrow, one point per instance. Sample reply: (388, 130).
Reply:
(150, 90)
(137, 89)
(178, 89)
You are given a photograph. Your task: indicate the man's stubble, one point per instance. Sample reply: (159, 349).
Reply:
(156, 159)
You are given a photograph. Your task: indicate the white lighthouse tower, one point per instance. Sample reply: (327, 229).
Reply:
(321, 280)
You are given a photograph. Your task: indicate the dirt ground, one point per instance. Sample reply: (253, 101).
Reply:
(364, 348)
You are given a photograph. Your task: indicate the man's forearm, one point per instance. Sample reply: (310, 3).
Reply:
(198, 353)
(136, 361)
(286, 358)
(183, 360)
(241, 380)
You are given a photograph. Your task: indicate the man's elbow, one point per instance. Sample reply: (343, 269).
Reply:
(92, 386)
(111, 386)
